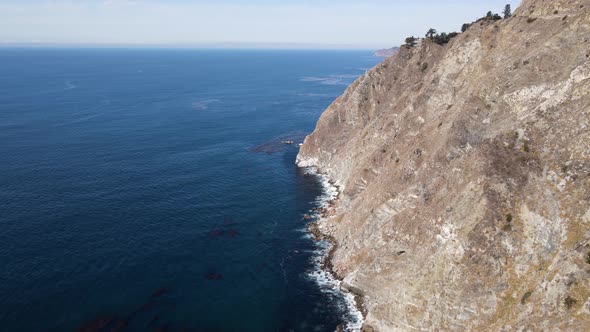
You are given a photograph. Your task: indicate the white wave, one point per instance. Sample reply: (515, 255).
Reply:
(202, 105)
(330, 285)
(329, 190)
(69, 85)
(324, 279)
(313, 95)
(346, 79)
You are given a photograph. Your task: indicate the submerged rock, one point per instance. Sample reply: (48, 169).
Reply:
(164, 328)
(119, 325)
(160, 291)
(279, 144)
(213, 276)
(96, 325)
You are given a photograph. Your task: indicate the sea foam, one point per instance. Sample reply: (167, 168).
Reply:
(331, 79)
(325, 279)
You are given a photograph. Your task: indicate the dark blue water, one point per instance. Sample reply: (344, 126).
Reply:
(132, 191)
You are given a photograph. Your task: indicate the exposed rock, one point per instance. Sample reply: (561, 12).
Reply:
(465, 187)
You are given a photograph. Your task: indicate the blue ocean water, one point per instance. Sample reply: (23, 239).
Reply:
(145, 190)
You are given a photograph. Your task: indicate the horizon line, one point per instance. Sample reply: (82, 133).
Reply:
(220, 45)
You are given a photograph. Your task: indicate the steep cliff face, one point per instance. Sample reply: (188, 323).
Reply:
(465, 178)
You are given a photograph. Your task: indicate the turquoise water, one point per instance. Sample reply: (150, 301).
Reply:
(148, 190)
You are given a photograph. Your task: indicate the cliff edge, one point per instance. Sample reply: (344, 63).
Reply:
(464, 173)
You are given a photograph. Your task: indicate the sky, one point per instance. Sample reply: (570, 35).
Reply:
(360, 24)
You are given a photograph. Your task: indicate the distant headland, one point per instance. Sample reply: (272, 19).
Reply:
(386, 52)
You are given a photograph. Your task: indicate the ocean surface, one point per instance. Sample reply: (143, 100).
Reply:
(147, 189)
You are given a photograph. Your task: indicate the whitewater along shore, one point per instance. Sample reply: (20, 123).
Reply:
(325, 275)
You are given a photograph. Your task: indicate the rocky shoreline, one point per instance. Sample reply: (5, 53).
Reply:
(322, 213)
(327, 265)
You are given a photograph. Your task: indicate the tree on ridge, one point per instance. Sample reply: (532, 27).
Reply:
(431, 33)
(507, 11)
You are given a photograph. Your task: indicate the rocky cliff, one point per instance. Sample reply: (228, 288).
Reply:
(464, 173)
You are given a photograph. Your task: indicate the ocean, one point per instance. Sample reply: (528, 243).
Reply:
(148, 189)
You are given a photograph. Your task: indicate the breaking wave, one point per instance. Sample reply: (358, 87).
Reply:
(202, 105)
(327, 282)
(331, 79)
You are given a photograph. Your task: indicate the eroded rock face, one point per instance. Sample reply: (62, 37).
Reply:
(465, 178)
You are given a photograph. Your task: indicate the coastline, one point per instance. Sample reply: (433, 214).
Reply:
(328, 278)
(463, 178)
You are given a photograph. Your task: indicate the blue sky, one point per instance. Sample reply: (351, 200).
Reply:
(226, 23)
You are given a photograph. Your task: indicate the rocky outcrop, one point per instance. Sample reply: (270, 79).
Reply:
(386, 52)
(464, 173)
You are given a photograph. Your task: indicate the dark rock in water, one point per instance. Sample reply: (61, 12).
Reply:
(119, 325)
(164, 328)
(216, 233)
(213, 276)
(154, 320)
(96, 325)
(160, 291)
(278, 144)
(148, 306)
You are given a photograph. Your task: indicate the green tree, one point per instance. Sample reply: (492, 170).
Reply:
(411, 41)
(441, 39)
(444, 38)
(465, 27)
(431, 33)
(507, 11)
